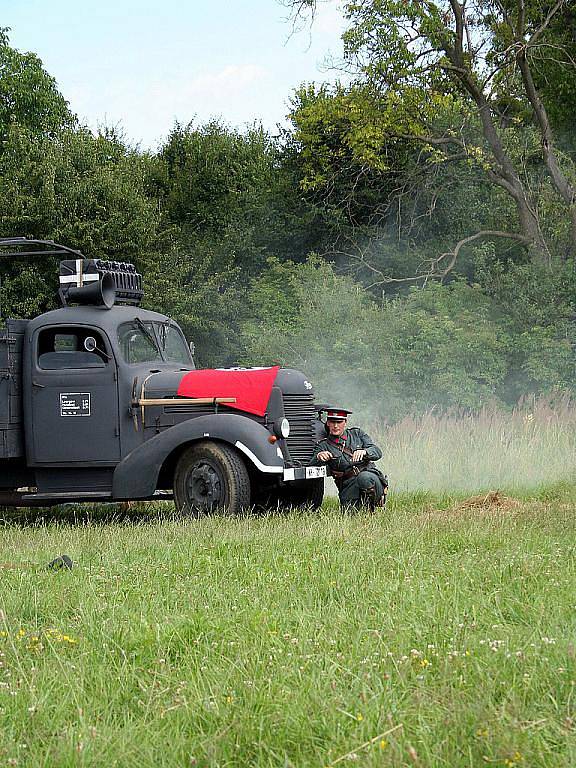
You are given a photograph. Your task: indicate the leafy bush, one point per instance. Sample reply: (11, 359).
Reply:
(448, 346)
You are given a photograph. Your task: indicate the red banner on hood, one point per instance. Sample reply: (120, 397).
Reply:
(251, 387)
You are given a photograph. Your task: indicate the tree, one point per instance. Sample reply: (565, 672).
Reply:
(386, 200)
(442, 345)
(540, 309)
(213, 184)
(85, 191)
(206, 298)
(554, 75)
(434, 72)
(29, 96)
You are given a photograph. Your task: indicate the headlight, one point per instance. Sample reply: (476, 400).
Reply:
(282, 428)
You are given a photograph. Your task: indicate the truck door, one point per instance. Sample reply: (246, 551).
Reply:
(74, 397)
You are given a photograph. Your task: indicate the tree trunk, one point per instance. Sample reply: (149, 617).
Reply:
(504, 172)
(527, 216)
(530, 228)
(565, 188)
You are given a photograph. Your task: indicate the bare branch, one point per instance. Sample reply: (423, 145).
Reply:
(504, 12)
(298, 11)
(551, 13)
(436, 270)
(568, 61)
(485, 233)
(434, 140)
(469, 45)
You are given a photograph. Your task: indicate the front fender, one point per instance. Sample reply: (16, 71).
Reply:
(136, 476)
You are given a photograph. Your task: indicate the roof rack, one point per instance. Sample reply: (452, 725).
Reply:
(54, 249)
(83, 280)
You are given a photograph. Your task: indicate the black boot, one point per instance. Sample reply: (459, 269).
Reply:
(369, 499)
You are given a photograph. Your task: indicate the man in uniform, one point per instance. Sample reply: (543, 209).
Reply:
(349, 454)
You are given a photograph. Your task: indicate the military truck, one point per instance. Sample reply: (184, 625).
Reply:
(100, 400)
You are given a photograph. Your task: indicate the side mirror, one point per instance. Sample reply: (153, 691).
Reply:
(90, 345)
(192, 348)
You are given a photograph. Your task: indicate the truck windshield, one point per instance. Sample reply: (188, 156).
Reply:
(173, 344)
(147, 342)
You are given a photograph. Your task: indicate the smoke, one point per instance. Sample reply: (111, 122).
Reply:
(532, 445)
(422, 374)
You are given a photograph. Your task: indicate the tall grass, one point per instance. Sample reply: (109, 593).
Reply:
(532, 445)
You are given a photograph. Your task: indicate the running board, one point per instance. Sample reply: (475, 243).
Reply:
(68, 495)
(15, 499)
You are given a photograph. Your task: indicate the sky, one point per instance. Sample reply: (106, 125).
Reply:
(141, 65)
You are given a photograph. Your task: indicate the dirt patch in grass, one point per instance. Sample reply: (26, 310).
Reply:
(487, 504)
(493, 501)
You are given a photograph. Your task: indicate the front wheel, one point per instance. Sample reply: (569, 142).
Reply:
(210, 477)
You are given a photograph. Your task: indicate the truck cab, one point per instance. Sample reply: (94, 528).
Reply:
(79, 367)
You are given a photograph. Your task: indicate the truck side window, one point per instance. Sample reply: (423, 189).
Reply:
(65, 342)
(58, 350)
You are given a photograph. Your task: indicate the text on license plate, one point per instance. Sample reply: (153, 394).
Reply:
(315, 472)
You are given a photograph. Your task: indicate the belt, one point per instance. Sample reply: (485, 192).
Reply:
(354, 472)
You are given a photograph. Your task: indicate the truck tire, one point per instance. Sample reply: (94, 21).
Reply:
(210, 477)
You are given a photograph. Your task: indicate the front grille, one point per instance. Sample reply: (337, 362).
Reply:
(300, 412)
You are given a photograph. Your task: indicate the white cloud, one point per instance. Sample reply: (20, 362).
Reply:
(239, 93)
(238, 85)
(147, 110)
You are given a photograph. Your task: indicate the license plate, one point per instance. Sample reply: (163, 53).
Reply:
(315, 472)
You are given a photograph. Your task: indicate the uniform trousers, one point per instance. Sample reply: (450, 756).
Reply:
(364, 488)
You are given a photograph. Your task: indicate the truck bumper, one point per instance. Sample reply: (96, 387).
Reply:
(303, 473)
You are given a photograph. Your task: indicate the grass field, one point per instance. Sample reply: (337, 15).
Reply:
(431, 634)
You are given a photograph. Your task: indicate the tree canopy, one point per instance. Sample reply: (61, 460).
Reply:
(29, 96)
(452, 84)
(408, 242)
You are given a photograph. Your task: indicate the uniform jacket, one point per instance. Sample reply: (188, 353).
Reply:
(351, 439)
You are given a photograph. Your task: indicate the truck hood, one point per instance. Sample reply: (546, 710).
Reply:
(251, 387)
